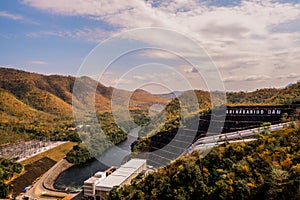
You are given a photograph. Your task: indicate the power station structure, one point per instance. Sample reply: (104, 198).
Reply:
(98, 186)
(231, 123)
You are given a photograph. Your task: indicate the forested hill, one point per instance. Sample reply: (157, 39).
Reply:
(285, 95)
(267, 168)
(53, 94)
(42, 104)
(162, 131)
(35, 95)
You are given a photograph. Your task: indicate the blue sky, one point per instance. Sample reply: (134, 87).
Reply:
(30, 39)
(254, 44)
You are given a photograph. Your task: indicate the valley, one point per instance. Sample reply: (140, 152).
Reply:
(37, 107)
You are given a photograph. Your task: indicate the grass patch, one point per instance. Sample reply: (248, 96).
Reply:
(55, 154)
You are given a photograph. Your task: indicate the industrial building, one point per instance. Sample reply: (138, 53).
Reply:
(90, 184)
(100, 184)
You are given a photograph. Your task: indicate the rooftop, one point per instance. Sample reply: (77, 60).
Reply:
(121, 174)
(91, 180)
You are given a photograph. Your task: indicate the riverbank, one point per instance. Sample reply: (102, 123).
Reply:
(43, 188)
(75, 176)
(36, 166)
(54, 173)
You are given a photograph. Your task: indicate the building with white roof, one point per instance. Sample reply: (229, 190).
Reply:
(122, 176)
(90, 184)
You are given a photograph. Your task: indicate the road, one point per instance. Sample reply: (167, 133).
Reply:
(39, 191)
(233, 137)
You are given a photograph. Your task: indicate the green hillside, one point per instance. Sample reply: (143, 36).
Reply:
(267, 168)
(53, 93)
(38, 91)
(286, 95)
(17, 118)
(39, 106)
(264, 169)
(261, 96)
(181, 110)
(14, 110)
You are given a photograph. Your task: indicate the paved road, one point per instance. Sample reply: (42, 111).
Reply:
(38, 191)
(238, 136)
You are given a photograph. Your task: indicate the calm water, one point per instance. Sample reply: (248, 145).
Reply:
(74, 177)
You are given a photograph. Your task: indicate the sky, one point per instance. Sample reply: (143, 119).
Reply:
(245, 45)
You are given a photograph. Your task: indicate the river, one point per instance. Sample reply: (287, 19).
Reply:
(74, 177)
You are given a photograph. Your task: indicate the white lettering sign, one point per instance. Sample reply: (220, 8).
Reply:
(246, 111)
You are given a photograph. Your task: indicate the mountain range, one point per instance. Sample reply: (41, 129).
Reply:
(42, 104)
(27, 95)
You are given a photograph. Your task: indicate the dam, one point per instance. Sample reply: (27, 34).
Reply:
(166, 146)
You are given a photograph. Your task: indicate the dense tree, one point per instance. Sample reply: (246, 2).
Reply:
(8, 167)
(79, 155)
(229, 171)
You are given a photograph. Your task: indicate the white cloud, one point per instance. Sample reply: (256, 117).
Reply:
(88, 34)
(268, 81)
(16, 17)
(38, 62)
(243, 39)
(8, 65)
(156, 53)
(10, 16)
(291, 75)
(246, 78)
